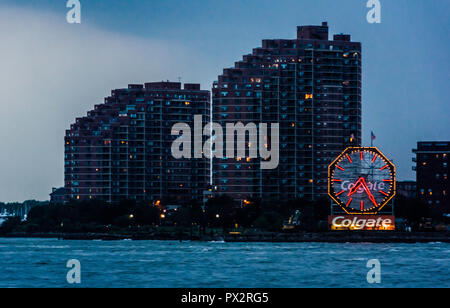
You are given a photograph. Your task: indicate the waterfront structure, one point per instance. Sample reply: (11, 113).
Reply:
(432, 170)
(311, 86)
(122, 148)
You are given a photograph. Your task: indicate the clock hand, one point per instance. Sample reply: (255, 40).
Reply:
(371, 197)
(355, 188)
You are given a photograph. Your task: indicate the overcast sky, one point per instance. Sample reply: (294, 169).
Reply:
(52, 72)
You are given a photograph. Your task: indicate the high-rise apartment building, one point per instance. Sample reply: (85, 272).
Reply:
(311, 86)
(122, 148)
(432, 171)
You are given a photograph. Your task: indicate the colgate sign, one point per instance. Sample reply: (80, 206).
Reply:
(361, 222)
(347, 185)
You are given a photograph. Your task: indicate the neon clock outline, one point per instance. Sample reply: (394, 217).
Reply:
(361, 180)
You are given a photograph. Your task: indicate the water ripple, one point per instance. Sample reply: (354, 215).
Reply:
(42, 263)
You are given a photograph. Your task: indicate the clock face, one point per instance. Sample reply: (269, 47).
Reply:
(361, 180)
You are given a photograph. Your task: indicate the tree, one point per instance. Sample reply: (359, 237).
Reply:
(10, 225)
(220, 211)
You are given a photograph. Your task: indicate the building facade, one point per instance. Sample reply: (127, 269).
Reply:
(311, 86)
(407, 189)
(122, 148)
(432, 170)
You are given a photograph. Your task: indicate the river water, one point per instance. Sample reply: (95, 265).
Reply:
(149, 264)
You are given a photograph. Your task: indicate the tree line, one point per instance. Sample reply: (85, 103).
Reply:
(219, 212)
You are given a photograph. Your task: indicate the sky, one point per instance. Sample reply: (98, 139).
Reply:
(52, 72)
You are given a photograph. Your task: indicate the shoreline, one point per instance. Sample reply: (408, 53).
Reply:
(323, 237)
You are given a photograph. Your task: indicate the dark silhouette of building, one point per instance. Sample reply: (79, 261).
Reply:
(58, 195)
(311, 86)
(407, 189)
(122, 148)
(432, 170)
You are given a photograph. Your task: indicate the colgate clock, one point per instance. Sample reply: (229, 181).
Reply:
(361, 180)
